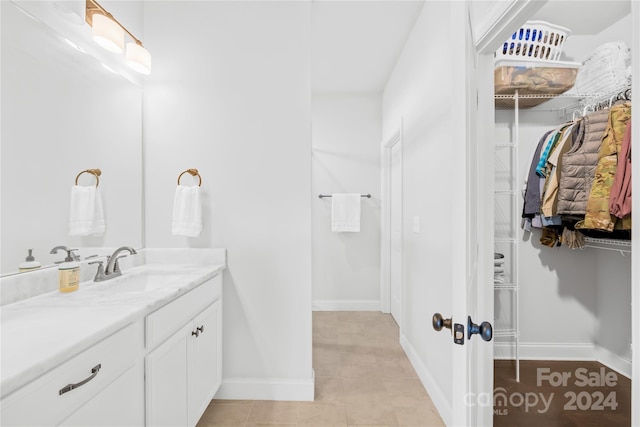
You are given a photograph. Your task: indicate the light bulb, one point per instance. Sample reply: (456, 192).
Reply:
(107, 33)
(138, 58)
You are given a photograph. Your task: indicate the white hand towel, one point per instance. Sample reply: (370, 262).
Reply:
(187, 212)
(86, 214)
(345, 212)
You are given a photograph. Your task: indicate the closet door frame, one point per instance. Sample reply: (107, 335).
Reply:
(500, 29)
(386, 244)
(635, 233)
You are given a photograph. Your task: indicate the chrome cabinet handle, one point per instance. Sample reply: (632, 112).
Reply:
(70, 387)
(196, 333)
(201, 329)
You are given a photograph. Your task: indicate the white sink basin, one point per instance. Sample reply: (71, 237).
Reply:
(145, 281)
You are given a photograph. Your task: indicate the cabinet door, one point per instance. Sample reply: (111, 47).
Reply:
(205, 360)
(120, 404)
(166, 381)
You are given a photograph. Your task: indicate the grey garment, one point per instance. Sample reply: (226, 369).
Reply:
(532, 195)
(579, 165)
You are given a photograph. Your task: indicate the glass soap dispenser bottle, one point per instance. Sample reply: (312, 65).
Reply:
(68, 271)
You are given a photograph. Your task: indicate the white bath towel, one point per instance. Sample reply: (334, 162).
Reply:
(187, 212)
(345, 212)
(86, 214)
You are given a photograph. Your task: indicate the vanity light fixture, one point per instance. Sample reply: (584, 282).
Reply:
(109, 33)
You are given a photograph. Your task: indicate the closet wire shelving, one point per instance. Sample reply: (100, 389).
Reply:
(513, 101)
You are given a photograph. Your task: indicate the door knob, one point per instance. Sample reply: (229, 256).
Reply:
(485, 330)
(439, 322)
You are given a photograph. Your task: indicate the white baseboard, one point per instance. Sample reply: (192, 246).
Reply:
(346, 305)
(545, 351)
(266, 389)
(613, 361)
(554, 351)
(435, 392)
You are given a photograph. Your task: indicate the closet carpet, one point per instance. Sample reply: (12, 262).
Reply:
(362, 378)
(577, 394)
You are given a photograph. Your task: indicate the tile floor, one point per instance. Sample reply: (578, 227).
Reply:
(363, 378)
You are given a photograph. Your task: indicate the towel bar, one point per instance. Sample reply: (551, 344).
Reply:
(192, 172)
(94, 172)
(321, 196)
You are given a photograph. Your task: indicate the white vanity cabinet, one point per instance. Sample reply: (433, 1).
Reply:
(138, 359)
(103, 379)
(183, 366)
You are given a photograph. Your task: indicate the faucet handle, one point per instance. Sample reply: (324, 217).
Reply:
(116, 266)
(99, 272)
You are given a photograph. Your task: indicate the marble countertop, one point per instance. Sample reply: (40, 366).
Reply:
(41, 332)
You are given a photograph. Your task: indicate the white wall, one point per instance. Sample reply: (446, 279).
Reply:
(346, 159)
(230, 95)
(418, 93)
(561, 280)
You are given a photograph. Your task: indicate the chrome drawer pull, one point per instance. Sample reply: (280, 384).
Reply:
(70, 387)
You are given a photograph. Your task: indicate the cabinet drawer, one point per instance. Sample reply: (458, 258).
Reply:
(41, 403)
(162, 323)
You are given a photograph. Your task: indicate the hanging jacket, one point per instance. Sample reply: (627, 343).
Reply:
(532, 192)
(597, 216)
(620, 202)
(554, 163)
(579, 165)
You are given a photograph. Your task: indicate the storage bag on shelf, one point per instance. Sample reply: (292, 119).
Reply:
(606, 70)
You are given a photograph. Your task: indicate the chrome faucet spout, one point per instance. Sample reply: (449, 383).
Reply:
(112, 265)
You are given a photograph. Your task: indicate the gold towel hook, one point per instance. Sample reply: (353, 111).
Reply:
(192, 172)
(94, 172)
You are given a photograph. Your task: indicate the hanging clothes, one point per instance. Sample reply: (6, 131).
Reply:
(579, 164)
(620, 201)
(532, 193)
(552, 168)
(597, 216)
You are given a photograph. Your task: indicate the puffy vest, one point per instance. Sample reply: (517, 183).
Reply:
(579, 165)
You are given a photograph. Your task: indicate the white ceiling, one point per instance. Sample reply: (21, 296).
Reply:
(583, 17)
(355, 44)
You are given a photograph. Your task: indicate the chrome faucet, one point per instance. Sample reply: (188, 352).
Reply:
(112, 269)
(70, 255)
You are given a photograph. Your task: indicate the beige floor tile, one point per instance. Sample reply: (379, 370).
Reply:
(363, 413)
(322, 415)
(418, 416)
(225, 415)
(270, 425)
(274, 412)
(355, 371)
(333, 370)
(325, 316)
(329, 390)
(326, 354)
(356, 339)
(358, 358)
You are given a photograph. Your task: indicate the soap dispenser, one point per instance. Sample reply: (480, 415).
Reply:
(29, 263)
(68, 271)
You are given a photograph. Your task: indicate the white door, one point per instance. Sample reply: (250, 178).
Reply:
(395, 264)
(472, 375)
